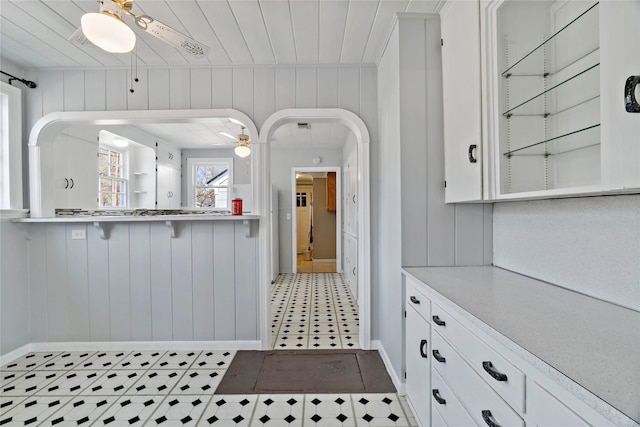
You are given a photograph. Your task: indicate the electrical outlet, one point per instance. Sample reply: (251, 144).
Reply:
(78, 234)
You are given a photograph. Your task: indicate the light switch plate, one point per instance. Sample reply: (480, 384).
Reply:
(80, 234)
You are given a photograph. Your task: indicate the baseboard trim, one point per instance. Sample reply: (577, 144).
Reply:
(400, 384)
(15, 354)
(128, 345)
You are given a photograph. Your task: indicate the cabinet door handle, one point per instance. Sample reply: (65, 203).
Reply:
(423, 345)
(438, 357)
(498, 376)
(472, 159)
(414, 300)
(354, 271)
(71, 179)
(630, 102)
(354, 198)
(487, 417)
(436, 395)
(66, 183)
(437, 321)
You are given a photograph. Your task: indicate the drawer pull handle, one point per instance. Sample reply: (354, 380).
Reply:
(438, 322)
(414, 300)
(486, 416)
(436, 355)
(436, 395)
(498, 376)
(423, 345)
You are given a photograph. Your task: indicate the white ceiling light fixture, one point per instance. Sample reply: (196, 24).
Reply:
(243, 150)
(121, 143)
(108, 31)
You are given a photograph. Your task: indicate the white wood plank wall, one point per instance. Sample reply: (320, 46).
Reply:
(256, 91)
(142, 285)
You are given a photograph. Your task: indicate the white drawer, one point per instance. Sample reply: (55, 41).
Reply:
(436, 418)
(501, 375)
(480, 400)
(447, 404)
(416, 299)
(546, 410)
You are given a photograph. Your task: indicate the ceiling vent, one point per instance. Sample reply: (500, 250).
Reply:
(304, 125)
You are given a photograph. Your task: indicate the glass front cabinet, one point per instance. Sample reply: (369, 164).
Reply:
(557, 79)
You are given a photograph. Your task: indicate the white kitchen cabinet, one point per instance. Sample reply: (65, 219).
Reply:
(168, 183)
(167, 154)
(545, 410)
(75, 173)
(460, 27)
(555, 112)
(168, 176)
(350, 179)
(418, 348)
(351, 263)
(468, 378)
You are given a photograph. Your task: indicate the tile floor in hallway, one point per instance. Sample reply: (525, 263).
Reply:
(134, 388)
(313, 310)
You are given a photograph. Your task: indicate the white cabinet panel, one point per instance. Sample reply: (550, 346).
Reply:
(546, 410)
(478, 398)
(460, 24)
(418, 366)
(447, 405)
(75, 173)
(167, 187)
(167, 154)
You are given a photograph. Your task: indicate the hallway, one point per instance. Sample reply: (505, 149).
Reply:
(313, 310)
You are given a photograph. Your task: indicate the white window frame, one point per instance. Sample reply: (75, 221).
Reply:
(191, 185)
(11, 137)
(125, 177)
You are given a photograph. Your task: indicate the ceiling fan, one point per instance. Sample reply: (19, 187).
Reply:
(107, 30)
(243, 149)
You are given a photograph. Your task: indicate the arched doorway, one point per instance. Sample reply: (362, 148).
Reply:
(361, 196)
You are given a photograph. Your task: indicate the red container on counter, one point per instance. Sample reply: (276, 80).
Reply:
(236, 207)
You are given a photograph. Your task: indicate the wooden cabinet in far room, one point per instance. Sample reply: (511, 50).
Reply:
(75, 173)
(331, 192)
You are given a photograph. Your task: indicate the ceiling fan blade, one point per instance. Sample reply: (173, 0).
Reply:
(171, 36)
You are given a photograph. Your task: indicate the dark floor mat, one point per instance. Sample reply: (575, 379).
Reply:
(306, 371)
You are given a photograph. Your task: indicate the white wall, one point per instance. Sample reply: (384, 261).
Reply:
(14, 289)
(256, 91)
(282, 160)
(415, 227)
(590, 245)
(142, 285)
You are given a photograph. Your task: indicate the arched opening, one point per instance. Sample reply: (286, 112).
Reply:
(361, 197)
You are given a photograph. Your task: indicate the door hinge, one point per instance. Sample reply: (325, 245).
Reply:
(441, 42)
(405, 313)
(405, 375)
(445, 184)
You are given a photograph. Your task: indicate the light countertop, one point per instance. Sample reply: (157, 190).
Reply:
(581, 342)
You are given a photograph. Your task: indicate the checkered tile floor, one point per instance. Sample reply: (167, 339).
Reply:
(313, 310)
(133, 388)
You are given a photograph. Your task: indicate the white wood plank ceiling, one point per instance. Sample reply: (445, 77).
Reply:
(34, 34)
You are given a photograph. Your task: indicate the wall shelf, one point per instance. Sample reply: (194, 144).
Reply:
(548, 152)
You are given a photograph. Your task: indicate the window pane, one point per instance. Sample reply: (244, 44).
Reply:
(211, 175)
(105, 185)
(103, 162)
(205, 197)
(120, 200)
(105, 200)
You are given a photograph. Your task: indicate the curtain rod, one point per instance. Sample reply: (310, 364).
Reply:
(27, 83)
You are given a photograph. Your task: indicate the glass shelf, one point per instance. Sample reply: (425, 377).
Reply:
(508, 113)
(547, 40)
(528, 149)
